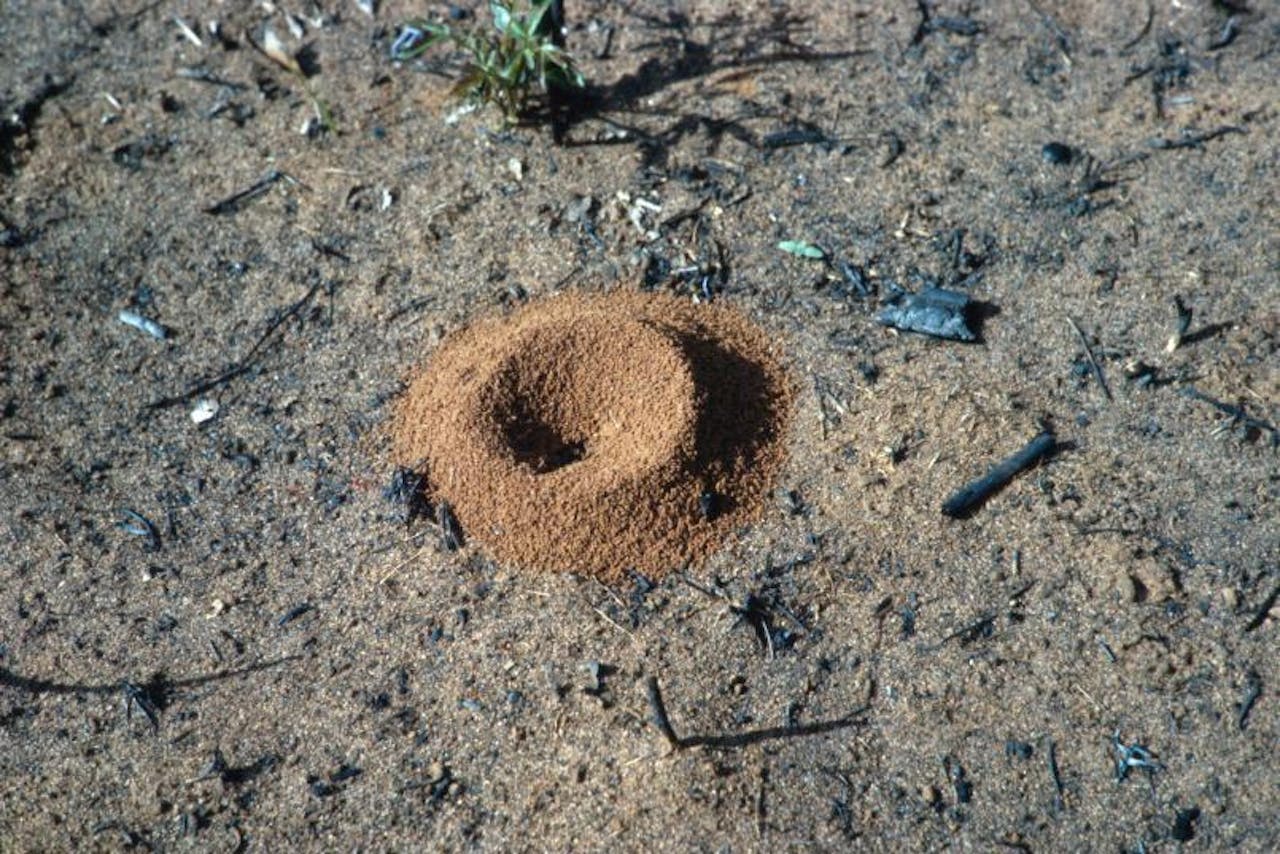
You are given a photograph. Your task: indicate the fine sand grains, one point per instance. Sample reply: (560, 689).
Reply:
(599, 433)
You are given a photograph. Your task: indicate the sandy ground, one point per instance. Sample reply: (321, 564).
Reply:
(276, 660)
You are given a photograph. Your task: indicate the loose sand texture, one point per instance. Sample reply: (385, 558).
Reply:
(638, 356)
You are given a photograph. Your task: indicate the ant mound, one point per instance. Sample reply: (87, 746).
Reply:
(598, 434)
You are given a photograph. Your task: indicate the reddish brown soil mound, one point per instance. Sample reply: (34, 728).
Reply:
(599, 433)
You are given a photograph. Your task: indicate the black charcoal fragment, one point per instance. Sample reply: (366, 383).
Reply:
(933, 311)
(1057, 153)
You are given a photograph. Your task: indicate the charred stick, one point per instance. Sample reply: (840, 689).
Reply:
(245, 364)
(660, 719)
(1146, 28)
(1193, 140)
(1229, 32)
(1264, 611)
(975, 492)
(1093, 363)
(1253, 690)
(741, 739)
(1236, 412)
(293, 613)
(1054, 775)
(235, 201)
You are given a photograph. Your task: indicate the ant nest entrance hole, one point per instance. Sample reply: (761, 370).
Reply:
(598, 392)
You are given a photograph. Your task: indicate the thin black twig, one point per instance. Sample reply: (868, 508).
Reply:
(1236, 412)
(245, 364)
(148, 697)
(1193, 140)
(1264, 610)
(1093, 363)
(741, 739)
(411, 306)
(237, 200)
(34, 685)
(1146, 27)
(982, 627)
(660, 718)
(1229, 32)
(1054, 775)
(1252, 691)
(204, 75)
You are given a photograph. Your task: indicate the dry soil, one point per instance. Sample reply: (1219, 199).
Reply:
(238, 635)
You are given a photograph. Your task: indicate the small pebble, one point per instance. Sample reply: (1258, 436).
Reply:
(143, 324)
(1127, 588)
(204, 410)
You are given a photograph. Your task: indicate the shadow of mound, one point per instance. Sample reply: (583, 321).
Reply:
(740, 415)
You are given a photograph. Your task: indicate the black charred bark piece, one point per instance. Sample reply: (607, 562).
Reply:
(933, 311)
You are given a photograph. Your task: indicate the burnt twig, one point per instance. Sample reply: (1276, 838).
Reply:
(293, 613)
(1193, 140)
(1236, 412)
(1055, 775)
(1252, 691)
(35, 685)
(1146, 28)
(236, 201)
(244, 365)
(969, 496)
(1093, 363)
(660, 719)
(204, 75)
(149, 697)
(742, 739)
(980, 628)
(1264, 610)
(1229, 32)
